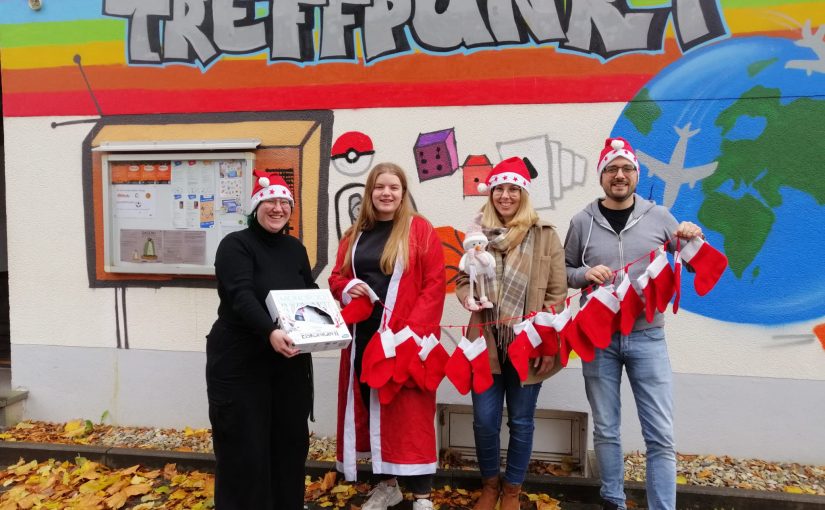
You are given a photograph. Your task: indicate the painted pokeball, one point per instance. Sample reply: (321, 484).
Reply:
(352, 153)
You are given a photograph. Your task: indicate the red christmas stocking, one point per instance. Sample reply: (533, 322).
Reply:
(630, 305)
(434, 358)
(572, 337)
(564, 351)
(359, 309)
(415, 366)
(476, 353)
(708, 262)
(661, 278)
(597, 318)
(543, 322)
(406, 349)
(677, 277)
(524, 347)
(649, 293)
(458, 369)
(378, 363)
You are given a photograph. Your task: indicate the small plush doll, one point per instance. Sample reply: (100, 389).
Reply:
(479, 265)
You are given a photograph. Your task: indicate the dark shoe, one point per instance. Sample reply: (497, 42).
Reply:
(607, 505)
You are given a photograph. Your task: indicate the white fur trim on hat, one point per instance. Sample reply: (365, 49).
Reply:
(507, 178)
(621, 152)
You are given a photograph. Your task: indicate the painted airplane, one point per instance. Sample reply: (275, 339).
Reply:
(674, 172)
(816, 42)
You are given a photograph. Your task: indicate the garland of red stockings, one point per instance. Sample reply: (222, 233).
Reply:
(393, 360)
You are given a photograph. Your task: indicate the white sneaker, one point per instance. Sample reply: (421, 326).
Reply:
(422, 504)
(382, 496)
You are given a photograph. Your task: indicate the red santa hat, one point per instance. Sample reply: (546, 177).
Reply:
(616, 148)
(510, 171)
(269, 185)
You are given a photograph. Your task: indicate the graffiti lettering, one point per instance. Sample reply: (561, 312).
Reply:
(191, 31)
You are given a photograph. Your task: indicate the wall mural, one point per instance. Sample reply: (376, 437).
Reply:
(750, 135)
(723, 102)
(194, 56)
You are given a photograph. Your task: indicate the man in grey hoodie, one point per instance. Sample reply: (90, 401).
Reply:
(603, 239)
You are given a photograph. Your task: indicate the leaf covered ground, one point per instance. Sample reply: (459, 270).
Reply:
(703, 470)
(87, 485)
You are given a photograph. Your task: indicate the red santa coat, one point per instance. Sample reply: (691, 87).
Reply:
(399, 437)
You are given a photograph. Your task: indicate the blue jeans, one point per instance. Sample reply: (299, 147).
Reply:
(487, 414)
(644, 356)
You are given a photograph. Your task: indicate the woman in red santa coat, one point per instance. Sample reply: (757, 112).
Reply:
(393, 253)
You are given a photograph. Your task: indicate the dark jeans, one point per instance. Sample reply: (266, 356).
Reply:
(259, 403)
(417, 484)
(487, 415)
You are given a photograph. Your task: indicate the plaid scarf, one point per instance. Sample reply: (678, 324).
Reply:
(512, 277)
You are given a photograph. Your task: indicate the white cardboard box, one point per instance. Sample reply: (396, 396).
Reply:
(310, 317)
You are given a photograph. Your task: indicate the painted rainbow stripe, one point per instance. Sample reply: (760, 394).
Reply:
(40, 77)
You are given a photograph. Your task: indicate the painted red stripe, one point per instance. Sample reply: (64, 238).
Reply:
(370, 95)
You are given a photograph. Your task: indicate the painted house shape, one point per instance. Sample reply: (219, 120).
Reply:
(476, 168)
(436, 154)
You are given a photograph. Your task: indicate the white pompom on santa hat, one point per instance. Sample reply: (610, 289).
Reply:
(616, 148)
(510, 171)
(268, 185)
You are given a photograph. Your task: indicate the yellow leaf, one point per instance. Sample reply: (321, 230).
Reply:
(463, 492)
(793, 490)
(137, 490)
(5, 436)
(25, 468)
(74, 425)
(533, 497)
(329, 480)
(188, 431)
(325, 504)
(129, 470)
(178, 494)
(681, 480)
(117, 500)
(340, 488)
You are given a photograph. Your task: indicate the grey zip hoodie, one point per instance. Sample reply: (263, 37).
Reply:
(591, 241)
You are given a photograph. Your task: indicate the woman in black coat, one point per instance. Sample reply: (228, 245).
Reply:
(258, 384)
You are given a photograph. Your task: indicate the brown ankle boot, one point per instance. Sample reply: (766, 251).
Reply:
(509, 496)
(490, 488)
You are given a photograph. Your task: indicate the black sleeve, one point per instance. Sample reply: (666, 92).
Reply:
(306, 271)
(234, 267)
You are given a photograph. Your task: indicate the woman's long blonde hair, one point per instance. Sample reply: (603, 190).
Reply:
(518, 226)
(398, 244)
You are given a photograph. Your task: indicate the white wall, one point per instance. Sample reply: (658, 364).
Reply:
(738, 390)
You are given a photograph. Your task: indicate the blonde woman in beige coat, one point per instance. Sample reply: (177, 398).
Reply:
(530, 276)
